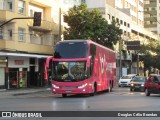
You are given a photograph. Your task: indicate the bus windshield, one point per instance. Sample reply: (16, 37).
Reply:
(69, 71)
(71, 50)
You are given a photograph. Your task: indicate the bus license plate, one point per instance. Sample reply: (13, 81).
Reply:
(68, 91)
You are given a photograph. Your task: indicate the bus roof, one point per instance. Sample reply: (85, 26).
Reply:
(88, 41)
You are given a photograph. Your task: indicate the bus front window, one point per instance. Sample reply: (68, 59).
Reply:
(69, 71)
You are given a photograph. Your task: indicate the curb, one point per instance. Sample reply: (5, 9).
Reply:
(2, 90)
(19, 92)
(30, 92)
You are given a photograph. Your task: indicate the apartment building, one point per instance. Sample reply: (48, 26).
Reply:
(151, 15)
(135, 8)
(24, 47)
(129, 13)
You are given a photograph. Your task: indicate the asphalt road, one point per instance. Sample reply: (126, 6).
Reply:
(121, 99)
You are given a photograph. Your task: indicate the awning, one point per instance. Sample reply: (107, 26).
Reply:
(23, 55)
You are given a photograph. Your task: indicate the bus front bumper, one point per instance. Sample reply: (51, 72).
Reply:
(85, 89)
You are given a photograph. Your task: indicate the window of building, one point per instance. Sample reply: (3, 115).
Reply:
(21, 5)
(10, 5)
(153, 8)
(124, 23)
(121, 21)
(109, 16)
(10, 34)
(128, 25)
(31, 13)
(117, 20)
(153, 1)
(146, 2)
(21, 34)
(140, 3)
(113, 18)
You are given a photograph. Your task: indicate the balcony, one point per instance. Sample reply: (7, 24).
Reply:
(25, 47)
(41, 40)
(45, 25)
(6, 15)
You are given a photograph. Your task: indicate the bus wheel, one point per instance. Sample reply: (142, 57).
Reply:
(64, 95)
(95, 90)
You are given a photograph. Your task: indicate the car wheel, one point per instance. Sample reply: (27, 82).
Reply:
(147, 93)
(64, 95)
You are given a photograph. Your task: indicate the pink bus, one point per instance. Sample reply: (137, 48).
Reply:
(81, 67)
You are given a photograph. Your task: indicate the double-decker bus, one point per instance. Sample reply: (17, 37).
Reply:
(81, 67)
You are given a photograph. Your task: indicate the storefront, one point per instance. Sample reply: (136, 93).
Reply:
(3, 62)
(18, 70)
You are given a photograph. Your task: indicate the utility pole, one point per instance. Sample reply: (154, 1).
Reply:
(137, 63)
(120, 58)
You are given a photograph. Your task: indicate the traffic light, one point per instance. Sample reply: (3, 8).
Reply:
(37, 19)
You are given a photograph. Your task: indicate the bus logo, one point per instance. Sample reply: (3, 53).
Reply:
(102, 62)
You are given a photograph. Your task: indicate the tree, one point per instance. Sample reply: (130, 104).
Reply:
(150, 54)
(84, 24)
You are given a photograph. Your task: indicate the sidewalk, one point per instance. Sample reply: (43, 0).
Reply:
(23, 91)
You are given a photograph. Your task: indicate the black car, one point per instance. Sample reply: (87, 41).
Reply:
(137, 83)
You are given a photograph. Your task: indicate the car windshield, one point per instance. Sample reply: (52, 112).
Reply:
(69, 71)
(138, 79)
(127, 77)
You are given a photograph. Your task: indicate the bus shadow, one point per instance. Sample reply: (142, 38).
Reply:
(86, 95)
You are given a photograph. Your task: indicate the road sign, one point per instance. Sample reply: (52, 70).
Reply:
(133, 45)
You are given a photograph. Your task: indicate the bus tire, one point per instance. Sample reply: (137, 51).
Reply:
(64, 95)
(95, 90)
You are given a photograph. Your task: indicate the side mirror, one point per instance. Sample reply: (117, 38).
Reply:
(157, 82)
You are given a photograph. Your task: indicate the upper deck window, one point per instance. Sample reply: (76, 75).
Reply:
(71, 50)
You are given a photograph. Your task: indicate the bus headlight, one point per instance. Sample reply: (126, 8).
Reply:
(82, 86)
(142, 85)
(55, 86)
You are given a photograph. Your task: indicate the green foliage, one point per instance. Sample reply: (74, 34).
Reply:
(151, 54)
(89, 24)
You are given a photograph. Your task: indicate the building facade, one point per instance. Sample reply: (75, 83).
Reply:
(151, 15)
(24, 47)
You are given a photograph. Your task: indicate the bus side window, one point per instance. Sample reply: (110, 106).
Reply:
(93, 54)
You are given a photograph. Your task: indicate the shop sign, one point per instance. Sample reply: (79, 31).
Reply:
(19, 62)
(2, 64)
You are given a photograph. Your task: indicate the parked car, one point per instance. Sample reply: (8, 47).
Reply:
(126, 80)
(152, 85)
(137, 83)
